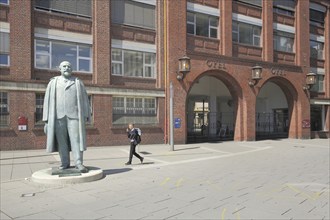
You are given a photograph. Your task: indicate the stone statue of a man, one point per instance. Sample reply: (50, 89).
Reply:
(66, 108)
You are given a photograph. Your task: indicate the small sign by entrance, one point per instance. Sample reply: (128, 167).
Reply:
(22, 123)
(306, 123)
(177, 123)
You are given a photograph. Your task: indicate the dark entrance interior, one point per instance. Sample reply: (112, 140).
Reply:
(210, 113)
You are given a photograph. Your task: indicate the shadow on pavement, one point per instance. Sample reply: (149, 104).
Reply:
(187, 148)
(115, 171)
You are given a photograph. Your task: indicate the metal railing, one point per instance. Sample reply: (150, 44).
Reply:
(272, 125)
(210, 126)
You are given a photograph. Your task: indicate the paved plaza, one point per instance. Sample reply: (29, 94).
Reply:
(271, 179)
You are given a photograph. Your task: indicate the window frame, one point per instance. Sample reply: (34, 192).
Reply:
(209, 24)
(315, 22)
(57, 10)
(283, 34)
(319, 86)
(135, 4)
(4, 114)
(4, 53)
(285, 10)
(39, 107)
(50, 54)
(135, 111)
(250, 3)
(252, 26)
(318, 50)
(90, 121)
(322, 113)
(5, 3)
(122, 63)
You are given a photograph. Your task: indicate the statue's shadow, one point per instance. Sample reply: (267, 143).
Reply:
(116, 171)
(121, 170)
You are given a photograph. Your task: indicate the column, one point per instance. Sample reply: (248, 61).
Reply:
(267, 31)
(176, 48)
(101, 42)
(327, 54)
(21, 39)
(213, 115)
(226, 21)
(302, 34)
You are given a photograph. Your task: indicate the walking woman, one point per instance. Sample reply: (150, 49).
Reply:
(132, 135)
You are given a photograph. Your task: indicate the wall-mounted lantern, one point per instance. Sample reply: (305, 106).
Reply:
(310, 81)
(255, 75)
(184, 67)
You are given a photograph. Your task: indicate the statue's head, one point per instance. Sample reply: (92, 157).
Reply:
(65, 68)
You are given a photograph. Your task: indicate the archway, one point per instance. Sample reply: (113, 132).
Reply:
(274, 106)
(211, 110)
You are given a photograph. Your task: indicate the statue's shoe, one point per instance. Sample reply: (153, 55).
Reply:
(82, 168)
(63, 167)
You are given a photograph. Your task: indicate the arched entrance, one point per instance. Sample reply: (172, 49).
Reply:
(272, 112)
(210, 111)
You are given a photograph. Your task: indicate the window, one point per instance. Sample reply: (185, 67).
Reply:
(133, 13)
(133, 63)
(139, 110)
(317, 118)
(90, 120)
(283, 41)
(316, 17)
(4, 49)
(202, 24)
(316, 49)
(252, 2)
(39, 109)
(286, 7)
(5, 2)
(74, 7)
(246, 33)
(4, 110)
(319, 86)
(49, 54)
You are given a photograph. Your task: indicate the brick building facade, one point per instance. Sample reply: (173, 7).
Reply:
(127, 54)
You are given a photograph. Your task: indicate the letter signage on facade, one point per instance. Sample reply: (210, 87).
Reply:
(214, 64)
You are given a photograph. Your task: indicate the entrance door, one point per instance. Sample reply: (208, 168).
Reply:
(272, 118)
(198, 119)
(210, 112)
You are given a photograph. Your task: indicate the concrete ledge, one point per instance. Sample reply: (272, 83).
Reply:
(45, 177)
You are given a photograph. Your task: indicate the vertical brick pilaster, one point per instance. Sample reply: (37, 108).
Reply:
(249, 117)
(267, 31)
(21, 39)
(177, 45)
(302, 34)
(226, 21)
(327, 66)
(101, 42)
(160, 43)
(327, 54)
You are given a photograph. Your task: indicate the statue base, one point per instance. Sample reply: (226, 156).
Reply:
(66, 176)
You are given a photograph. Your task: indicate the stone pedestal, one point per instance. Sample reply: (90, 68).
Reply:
(67, 176)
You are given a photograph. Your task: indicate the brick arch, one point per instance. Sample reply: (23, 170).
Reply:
(291, 95)
(235, 90)
(230, 82)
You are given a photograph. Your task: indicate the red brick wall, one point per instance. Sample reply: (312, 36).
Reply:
(21, 39)
(62, 22)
